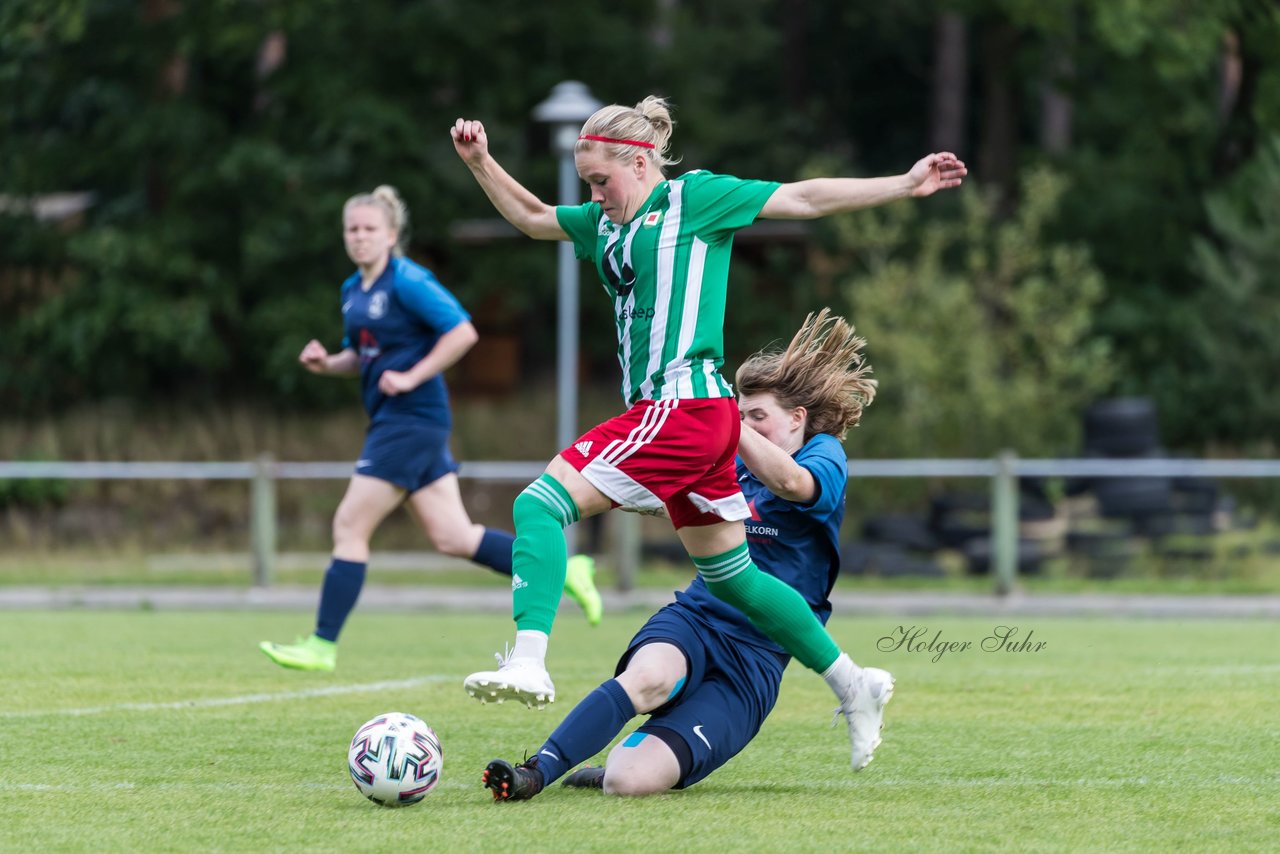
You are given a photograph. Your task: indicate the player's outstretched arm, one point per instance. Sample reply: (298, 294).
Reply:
(517, 205)
(819, 197)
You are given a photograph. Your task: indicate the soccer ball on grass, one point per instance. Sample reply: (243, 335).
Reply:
(395, 759)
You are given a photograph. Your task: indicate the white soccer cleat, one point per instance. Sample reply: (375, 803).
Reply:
(523, 679)
(863, 710)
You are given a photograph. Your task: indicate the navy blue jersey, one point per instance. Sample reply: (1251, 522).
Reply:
(392, 325)
(797, 543)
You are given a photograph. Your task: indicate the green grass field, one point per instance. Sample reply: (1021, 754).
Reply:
(150, 731)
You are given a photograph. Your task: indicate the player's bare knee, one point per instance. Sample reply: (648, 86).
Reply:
(631, 782)
(648, 685)
(348, 528)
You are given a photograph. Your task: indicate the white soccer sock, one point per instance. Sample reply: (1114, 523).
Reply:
(841, 674)
(531, 643)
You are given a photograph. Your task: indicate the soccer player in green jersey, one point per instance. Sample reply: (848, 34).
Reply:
(662, 248)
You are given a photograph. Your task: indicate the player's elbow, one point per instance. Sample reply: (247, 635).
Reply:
(466, 334)
(795, 489)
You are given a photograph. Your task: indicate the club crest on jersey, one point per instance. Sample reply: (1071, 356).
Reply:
(378, 305)
(652, 219)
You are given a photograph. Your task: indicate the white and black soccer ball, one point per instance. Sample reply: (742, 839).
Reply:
(395, 759)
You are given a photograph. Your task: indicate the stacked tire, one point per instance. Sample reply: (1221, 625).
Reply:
(892, 545)
(1126, 428)
(962, 521)
(1160, 509)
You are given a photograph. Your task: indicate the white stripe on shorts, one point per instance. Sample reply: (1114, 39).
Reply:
(642, 434)
(731, 508)
(620, 486)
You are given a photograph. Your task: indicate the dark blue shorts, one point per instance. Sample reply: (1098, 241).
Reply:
(728, 691)
(409, 454)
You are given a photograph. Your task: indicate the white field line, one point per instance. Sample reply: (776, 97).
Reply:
(235, 561)
(124, 786)
(1088, 782)
(1199, 780)
(242, 700)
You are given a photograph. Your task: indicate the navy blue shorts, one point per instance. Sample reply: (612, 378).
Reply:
(730, 688)
(409, 454)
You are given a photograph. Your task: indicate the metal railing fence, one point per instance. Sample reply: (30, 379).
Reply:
(1003, 471)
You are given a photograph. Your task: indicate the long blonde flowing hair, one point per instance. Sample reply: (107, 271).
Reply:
(822, 369)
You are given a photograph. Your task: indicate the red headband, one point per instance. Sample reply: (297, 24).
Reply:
(616, 141)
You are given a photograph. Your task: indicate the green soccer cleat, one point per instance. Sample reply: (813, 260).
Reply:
(312, 653)
(580, 584)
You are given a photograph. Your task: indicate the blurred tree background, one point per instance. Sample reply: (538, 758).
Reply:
(1118, 234)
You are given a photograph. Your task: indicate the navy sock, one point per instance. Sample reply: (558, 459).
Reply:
(342, 582)
(586, 731)
(494, 550)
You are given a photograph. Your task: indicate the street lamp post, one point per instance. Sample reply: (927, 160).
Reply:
(569, 105)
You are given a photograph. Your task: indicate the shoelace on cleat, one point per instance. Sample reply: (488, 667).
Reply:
(504, 656)
(835, 718)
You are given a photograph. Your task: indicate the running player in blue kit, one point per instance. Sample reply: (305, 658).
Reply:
(402, 331)
(705, 675)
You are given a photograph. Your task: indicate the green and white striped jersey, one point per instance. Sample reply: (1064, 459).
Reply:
(668, 273)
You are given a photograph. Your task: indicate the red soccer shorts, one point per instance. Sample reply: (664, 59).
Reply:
(673, 453)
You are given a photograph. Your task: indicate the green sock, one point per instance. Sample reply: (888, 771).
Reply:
(539, 555)
(773, 606)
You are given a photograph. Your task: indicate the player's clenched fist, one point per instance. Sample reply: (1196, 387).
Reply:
(314, 357)
(469, 140)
